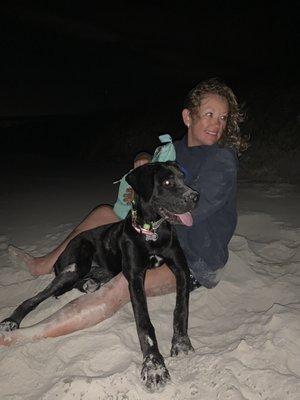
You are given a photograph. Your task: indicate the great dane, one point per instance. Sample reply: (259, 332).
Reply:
(133, 245)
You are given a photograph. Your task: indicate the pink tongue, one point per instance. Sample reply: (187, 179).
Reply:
(186, 218)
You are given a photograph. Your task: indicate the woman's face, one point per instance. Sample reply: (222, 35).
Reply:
(207, 126)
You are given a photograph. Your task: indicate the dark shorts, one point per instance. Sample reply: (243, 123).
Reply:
(194, 284)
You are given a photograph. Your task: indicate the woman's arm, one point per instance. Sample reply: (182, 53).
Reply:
(216, 184)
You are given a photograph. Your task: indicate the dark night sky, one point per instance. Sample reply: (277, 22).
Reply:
(60, 58)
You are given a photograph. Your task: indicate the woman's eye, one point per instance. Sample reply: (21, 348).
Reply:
(224, 118)
(209, 114)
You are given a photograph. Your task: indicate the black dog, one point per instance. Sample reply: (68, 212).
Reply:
(95, 256)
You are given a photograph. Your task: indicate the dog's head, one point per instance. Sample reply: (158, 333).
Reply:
(161, 189)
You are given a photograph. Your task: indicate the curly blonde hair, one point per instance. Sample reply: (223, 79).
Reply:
(231, 135)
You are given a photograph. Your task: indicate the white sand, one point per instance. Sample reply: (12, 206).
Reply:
(246, 331)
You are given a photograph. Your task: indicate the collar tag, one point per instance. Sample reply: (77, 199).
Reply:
(148, 229)
(153, 237)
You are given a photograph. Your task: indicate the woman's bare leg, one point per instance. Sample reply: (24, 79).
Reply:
(101, 215)
(92, 308)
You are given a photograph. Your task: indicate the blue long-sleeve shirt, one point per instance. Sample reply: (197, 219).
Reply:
(212, 172)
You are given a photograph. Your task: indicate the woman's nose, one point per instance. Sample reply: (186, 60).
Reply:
(216, 122)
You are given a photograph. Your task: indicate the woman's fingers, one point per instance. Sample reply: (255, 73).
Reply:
(128, 196)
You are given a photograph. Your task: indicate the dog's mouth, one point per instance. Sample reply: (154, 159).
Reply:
(173, 218)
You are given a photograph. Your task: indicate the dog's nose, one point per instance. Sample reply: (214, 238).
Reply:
(193, 196)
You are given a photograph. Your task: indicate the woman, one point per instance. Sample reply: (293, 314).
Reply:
(208, 154)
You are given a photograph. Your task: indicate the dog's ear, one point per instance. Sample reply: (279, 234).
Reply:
(179, 167)
(141, 179)
(172, 164)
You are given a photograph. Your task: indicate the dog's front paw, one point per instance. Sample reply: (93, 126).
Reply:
(154, 373)
(181, 344)
(8, 325)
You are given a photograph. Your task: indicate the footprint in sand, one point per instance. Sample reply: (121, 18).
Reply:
(238, 243)
(274, 252)
(230, 393)
(19, 257)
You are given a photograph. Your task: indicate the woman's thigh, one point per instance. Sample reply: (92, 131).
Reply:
(100, 215)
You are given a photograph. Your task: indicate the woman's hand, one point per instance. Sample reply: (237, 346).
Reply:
(128, 196)
(138, 162)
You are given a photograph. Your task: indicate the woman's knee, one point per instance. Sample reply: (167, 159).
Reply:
(102, 208)
(118, 290)
(104, 212)
(100, 215)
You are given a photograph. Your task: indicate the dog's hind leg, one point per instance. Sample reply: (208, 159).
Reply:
(61, 284)
(73, 264)
(80, 313)
(79, 256)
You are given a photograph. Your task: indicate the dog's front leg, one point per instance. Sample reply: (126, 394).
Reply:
(180, 342)
(154, 373)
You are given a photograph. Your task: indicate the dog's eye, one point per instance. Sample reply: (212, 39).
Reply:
(168, 183)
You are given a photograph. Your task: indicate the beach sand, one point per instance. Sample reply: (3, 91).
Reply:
(246, 331)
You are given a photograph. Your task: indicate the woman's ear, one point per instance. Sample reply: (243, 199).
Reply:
(186, 117)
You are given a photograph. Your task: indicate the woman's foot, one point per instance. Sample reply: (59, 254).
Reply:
(35, 265)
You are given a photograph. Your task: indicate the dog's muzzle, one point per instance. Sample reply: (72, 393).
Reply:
(182, 215)
(190, 196)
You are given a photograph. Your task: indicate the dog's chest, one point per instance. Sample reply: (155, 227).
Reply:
(155, 261)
